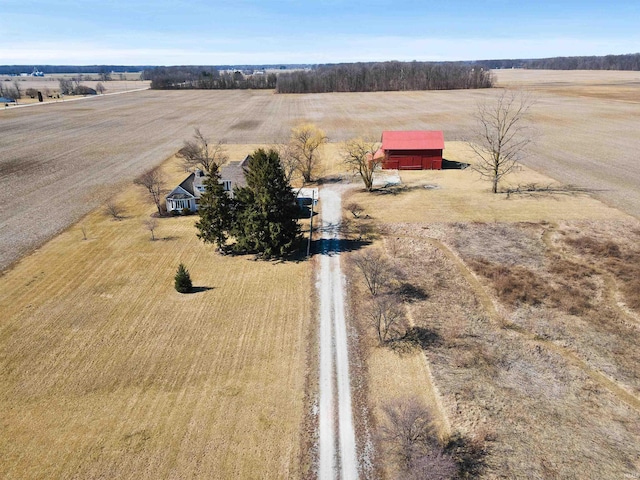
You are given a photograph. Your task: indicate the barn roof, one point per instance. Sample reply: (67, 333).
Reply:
(412, 140)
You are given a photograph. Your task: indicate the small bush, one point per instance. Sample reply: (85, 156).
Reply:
(594, 247)
(183, 280)
(186, 211)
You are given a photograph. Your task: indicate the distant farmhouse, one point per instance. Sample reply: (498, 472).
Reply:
(187, 194)
(411, 150)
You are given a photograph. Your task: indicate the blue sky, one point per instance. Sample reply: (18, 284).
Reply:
(180, 32)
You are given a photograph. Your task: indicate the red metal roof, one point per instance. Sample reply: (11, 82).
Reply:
(412, 140)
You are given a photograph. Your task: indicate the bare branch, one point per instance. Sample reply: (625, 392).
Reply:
(386, 314)
(151, 224)
(153, 182)
(502, 135)
(199, 153)
(375, 269)
(359, 155)
(112, 209)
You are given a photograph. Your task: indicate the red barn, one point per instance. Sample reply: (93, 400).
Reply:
(412, 150)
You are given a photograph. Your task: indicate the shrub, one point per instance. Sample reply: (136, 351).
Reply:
(183, 280)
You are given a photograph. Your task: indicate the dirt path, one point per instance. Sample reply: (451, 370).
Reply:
(337, 449)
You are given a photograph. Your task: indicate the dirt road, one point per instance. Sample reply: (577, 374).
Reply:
(337, 450)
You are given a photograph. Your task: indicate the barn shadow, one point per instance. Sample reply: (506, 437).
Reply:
(452, 165)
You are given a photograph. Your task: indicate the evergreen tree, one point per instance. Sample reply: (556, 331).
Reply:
(183, 280)
(266, 212)
(215, 211)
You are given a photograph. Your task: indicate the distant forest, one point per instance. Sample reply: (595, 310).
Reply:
(207, 78)
(345, 77)
(385, 76)
(608, 62)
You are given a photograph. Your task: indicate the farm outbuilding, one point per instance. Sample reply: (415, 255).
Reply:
(412, 150)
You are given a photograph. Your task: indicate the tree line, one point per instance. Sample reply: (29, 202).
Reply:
(607, 62)
(384, 76)
(206, 78)
(346, 77)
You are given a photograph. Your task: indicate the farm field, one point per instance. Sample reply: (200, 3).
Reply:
(530, 308)
(67, 158)
(50, 83)
(108, 372)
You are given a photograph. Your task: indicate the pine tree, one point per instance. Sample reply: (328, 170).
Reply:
(266, 211)
(183, 280)
(215, 211)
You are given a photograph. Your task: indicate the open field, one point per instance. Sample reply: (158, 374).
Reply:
(107, 372)
(118, 83)
(66, 158)
(611, 85)
(531, 308)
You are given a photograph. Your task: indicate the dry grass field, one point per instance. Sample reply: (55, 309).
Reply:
(531, 307)
(107, 372)
(66, 158)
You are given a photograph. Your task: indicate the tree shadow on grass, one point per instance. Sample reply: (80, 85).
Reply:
(410, 293)
(415, 338)
(200, 289)
(334, 246)
(398, 189)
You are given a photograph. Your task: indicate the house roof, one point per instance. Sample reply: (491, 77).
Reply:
(412, 140)
(180, 192)
(234, 171)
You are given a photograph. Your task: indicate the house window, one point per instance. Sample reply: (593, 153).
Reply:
(226, 185)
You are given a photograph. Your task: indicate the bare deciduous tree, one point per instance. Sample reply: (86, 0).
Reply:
(153, 182)
(306, 145)
(287, 160)
(386, 314)
(16, 86)
(355, 209)
(112, 209)
(503, 135)
(375, 269)
(410, 437)
(66, 86)
(151, 224)
(359, 155)
(100, 88)
(199, 153)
